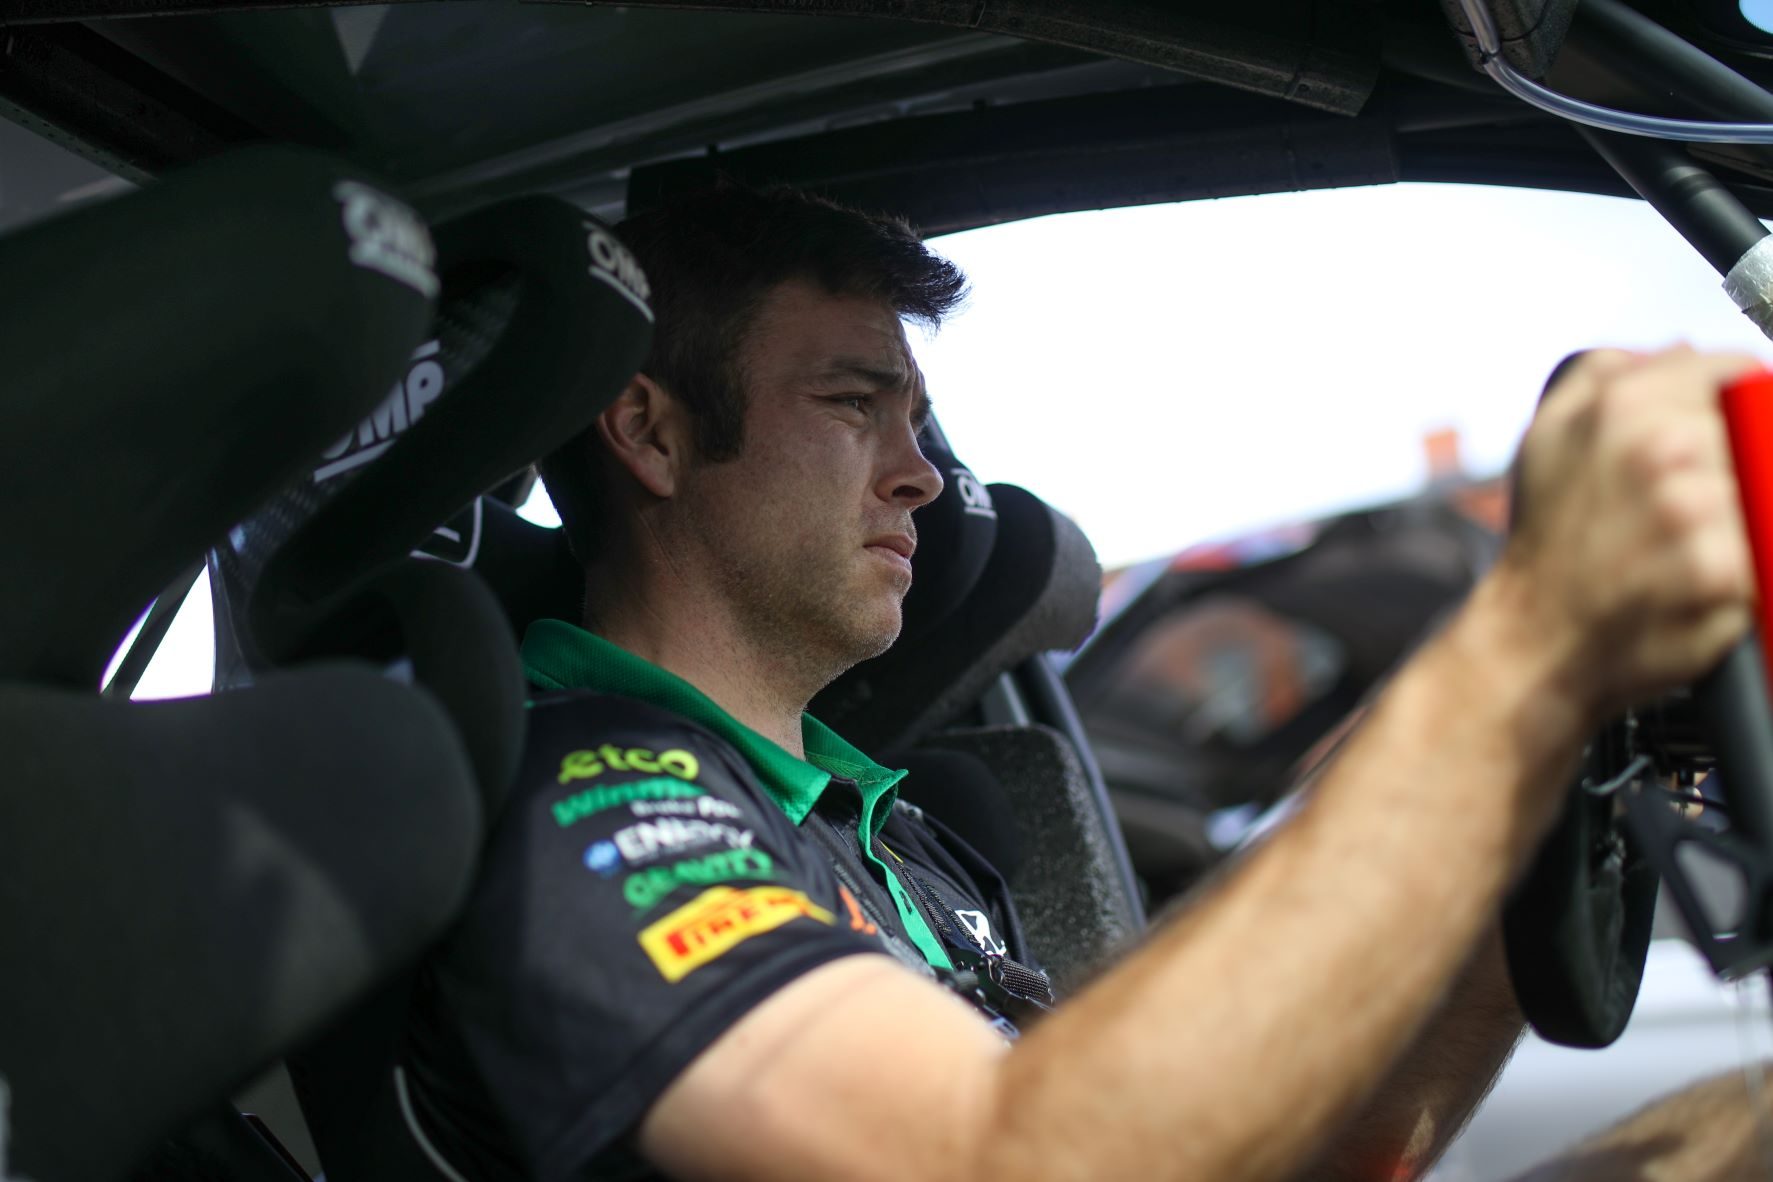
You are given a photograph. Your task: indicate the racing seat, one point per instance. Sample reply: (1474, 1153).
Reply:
(541, 321)
(188, 888)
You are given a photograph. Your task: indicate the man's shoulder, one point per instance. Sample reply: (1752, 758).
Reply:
(595, 717)
(594, 745)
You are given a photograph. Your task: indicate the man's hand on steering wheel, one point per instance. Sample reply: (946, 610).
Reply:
(1628, 558)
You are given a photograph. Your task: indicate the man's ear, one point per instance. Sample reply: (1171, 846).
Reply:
(645, 430)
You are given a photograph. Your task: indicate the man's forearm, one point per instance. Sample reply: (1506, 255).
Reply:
(1438, 1081)
(1261, 1019)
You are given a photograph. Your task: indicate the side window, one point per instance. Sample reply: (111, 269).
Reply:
(1223, 671)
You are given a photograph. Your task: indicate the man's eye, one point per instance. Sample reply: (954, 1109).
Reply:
(858, 401)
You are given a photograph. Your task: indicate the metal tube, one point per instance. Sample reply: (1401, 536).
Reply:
(1641, 51)
(1733, 698)
(152, 632)
(1733, 704)
(1700, 207)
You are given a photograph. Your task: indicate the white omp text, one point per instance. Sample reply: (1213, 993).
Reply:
(612, 263)
(388, 237)
(405, 405)
(974, 497)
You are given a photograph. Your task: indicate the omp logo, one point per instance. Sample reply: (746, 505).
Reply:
(702, 806)
(973, 496)
(646, 888)
(719, 920)
(6, 1174)
(405, 405)
(580, 805)
(585, 765)
(612, 263)
(386, 236)
(648, 839)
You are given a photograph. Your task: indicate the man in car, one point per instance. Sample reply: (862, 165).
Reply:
(706, 942)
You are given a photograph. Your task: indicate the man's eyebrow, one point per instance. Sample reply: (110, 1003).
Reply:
(880, 377)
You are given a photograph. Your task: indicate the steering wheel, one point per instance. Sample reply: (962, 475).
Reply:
(1577, 928)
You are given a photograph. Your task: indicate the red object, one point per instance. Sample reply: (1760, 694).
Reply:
(1748, 412)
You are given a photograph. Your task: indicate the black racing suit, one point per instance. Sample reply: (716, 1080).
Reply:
(640, 893)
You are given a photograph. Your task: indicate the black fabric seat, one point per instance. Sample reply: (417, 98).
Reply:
(192, 887)
(541, 322)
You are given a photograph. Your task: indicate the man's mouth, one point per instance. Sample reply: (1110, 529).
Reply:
(895, 548)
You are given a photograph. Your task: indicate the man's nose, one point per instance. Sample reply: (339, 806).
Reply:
(913, 480)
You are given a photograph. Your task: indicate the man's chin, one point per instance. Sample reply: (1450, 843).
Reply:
(874, 637)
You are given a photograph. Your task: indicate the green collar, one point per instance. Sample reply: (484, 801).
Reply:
(558, 655)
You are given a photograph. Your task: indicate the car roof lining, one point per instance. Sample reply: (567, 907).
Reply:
(466, 102)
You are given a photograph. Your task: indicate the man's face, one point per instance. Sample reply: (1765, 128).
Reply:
(810, 528)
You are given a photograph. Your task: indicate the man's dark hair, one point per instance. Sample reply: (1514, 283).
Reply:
(710, 259)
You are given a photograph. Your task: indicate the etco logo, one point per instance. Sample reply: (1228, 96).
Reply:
(588, 764)
(386, 236)
(405, 405)
(974, 497)
(612, 263)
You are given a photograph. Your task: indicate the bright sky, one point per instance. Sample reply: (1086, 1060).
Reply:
(1169, 374)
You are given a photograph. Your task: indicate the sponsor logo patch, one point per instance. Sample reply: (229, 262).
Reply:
(405, 405)
(647, 887)
(646, 840)
(978, 926)
(589, 764)
(701, 806)
(612, 263)
(603, 857)
(387, 236)
(719, 920)
(858, 921)
(974, 497)
(580, 805)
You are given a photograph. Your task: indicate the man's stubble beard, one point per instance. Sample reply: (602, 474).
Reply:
(804, 607)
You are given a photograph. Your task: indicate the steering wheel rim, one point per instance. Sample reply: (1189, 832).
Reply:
(1577, 926)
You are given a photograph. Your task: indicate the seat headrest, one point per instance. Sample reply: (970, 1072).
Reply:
(955, 533)
(541, 321)
(534, 575)
(1037, 593)
(172, 357)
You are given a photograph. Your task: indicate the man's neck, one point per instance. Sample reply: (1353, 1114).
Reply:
(711, 653)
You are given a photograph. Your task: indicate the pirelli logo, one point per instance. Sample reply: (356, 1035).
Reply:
(719, 920)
